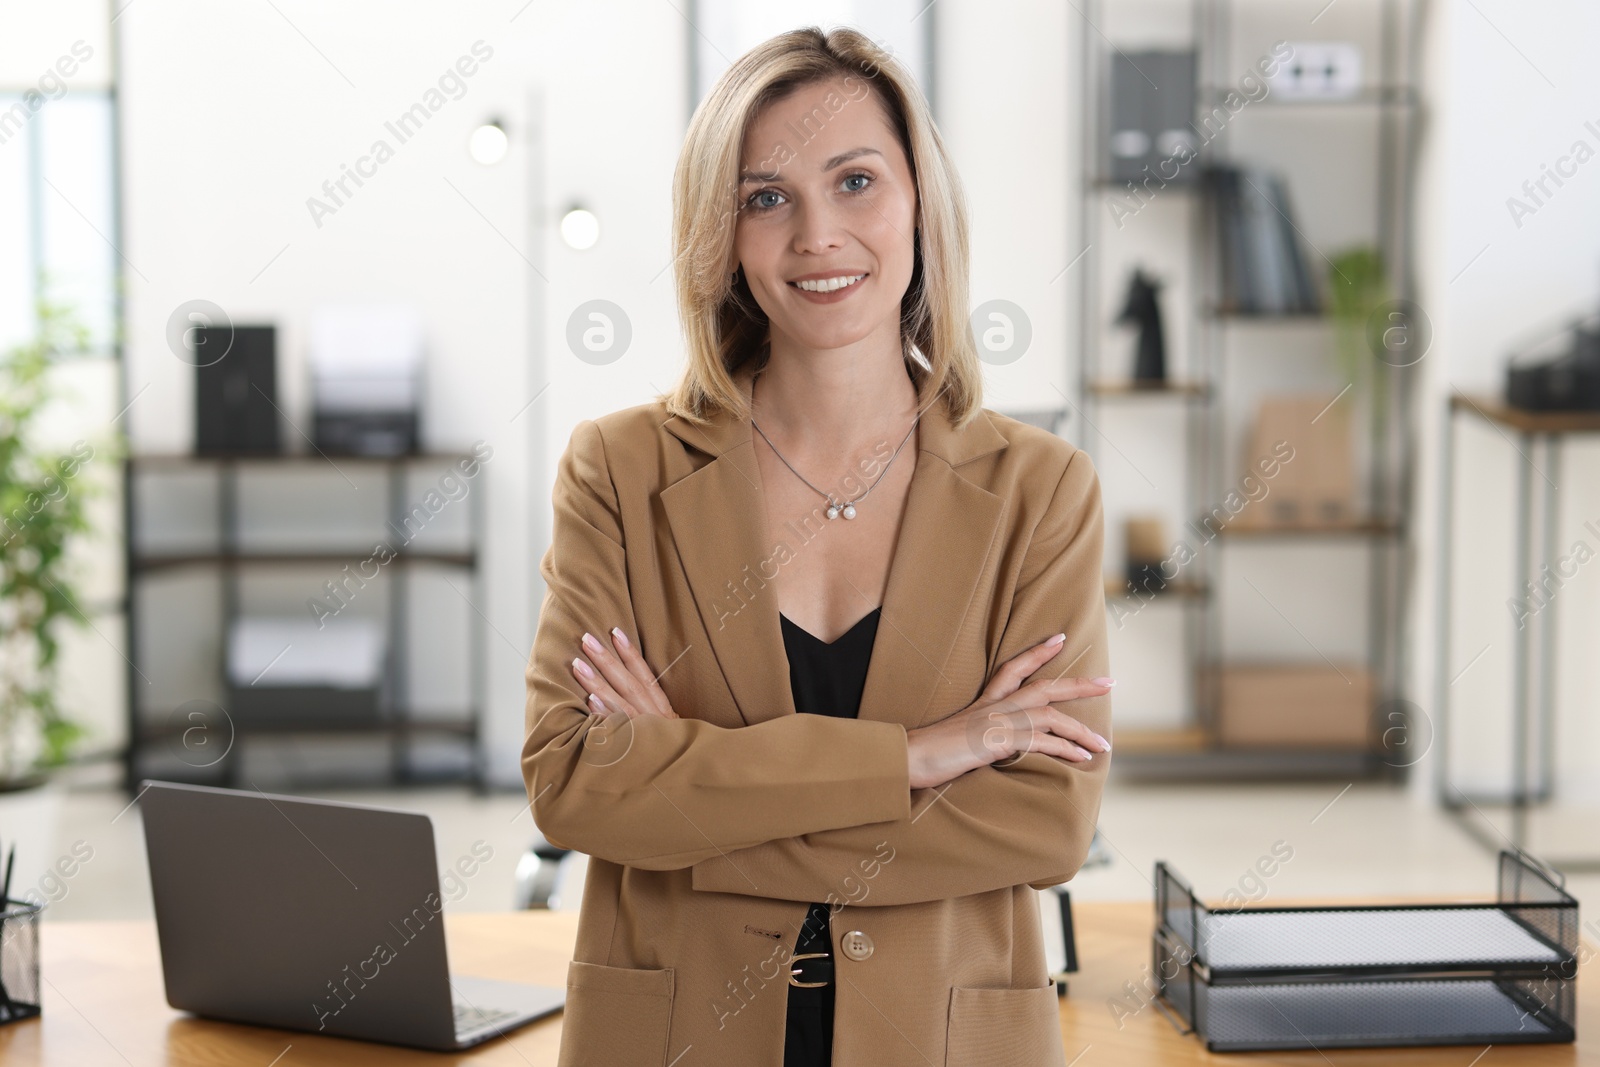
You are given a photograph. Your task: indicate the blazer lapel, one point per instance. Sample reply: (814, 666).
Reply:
(943, 546)
(716, 517)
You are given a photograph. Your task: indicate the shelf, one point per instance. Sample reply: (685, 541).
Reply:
(145, 564)
(242, 579)
(1355, 528)
(1132, 389)
(1217, 327)
(1372, 96)
(459, 727)
(1221, 314)
(1179, 739)
(1173, 590)
(1522, 420)
(1129, 185)
(1188, 755)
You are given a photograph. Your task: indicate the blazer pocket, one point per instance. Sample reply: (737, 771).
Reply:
(1019, 1027)
(616, 1016)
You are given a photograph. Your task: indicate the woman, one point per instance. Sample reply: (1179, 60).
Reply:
(812, 619)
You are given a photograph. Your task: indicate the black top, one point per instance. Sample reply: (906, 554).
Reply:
(827, 679)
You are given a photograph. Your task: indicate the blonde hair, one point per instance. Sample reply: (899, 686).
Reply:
(724, 326)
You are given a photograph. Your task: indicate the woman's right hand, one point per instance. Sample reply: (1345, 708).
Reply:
(1008, 719)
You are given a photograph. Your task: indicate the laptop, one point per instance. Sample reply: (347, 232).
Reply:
(314, 915)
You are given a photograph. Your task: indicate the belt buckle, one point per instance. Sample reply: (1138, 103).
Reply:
(794, 972)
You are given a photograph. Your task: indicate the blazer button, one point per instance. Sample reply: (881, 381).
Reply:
(856, 945)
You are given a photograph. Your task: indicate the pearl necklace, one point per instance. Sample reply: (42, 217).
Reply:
(835, 509)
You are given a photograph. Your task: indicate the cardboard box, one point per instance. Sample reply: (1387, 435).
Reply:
(1295, 706)
(1316, 487)
(1146, 539)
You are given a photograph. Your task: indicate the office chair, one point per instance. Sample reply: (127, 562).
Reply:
(1055, 916)
(548, 878)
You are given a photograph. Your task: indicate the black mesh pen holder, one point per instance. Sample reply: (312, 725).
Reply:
(19, 960)
(1256, 978)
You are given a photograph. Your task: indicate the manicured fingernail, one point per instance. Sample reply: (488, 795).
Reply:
(1057, 639)
(1105, 746)
(591, 644)
(622, 638)
(1108, 682)
(582, 667)
(599, 705)
(1086, 753)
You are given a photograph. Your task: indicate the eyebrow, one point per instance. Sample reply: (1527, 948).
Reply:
(747, 176)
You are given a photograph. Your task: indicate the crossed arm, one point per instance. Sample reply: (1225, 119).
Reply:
(792, 807)
(662, 793)
(1029, 822)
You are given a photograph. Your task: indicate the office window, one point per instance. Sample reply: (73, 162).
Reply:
(57, 213)
(58, 220)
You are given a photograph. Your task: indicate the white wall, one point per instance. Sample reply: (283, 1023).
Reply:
(1511, 87)
(1005, 88)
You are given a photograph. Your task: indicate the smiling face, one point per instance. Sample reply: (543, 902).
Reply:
(826, 244)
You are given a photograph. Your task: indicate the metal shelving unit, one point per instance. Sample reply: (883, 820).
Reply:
(1200, 397)
(302, 711)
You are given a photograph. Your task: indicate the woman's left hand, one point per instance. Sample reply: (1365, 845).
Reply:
(618, 679)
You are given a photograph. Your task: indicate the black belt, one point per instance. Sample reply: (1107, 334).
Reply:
(811, 970)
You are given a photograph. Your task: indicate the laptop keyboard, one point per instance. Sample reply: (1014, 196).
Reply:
(470, 1018)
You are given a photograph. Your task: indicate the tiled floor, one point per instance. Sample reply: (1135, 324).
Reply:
(1361, 841)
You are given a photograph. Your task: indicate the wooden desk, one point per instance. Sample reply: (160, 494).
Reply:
(104, 1004)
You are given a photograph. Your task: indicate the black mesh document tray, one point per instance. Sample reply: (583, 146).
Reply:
(1373, 975)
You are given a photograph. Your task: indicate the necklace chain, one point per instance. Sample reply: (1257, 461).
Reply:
(848, 507)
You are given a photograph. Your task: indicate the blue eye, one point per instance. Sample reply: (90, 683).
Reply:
(757, 204)
(751, 203)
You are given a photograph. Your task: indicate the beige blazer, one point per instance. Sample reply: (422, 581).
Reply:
(709, 834)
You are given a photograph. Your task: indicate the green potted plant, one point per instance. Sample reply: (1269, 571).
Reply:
(1357, 287)
(42, 509)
